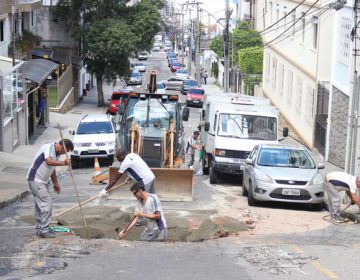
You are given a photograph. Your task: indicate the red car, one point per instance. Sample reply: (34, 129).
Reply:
(175, 66)
(195, 96)
(116, 98)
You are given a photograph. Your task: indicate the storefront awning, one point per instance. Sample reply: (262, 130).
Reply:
(37, 70)
(60, 56)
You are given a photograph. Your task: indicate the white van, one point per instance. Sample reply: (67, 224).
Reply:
(232, 125)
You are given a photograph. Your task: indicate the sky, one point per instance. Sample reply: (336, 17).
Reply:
(215, 7)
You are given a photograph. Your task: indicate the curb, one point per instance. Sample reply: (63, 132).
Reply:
(14, 199)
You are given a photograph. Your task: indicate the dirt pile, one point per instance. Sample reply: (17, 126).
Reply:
(193, 226)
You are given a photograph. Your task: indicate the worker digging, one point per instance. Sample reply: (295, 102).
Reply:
(148, 206)
(41, 170)
(336, 182)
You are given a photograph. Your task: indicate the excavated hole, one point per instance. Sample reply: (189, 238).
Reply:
(184, 226)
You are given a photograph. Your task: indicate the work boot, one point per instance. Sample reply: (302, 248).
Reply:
(339, 220)
(47, 235)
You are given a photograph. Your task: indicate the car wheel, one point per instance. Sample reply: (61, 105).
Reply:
(251, 199)
(244, 190)
(214, 177)
(205, 164)
(74, 163)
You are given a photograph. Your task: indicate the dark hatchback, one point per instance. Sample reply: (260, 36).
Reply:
(188, 83)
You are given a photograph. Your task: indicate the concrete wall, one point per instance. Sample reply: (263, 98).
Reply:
(338, 128)
(53, 34)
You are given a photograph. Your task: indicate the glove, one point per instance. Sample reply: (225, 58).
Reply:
(103, 193)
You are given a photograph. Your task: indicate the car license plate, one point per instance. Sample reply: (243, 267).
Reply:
(293, 192)
(235, 160)
(93, 151)
(195, 101)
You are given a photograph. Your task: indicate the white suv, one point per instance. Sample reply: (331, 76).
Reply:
(94, 137)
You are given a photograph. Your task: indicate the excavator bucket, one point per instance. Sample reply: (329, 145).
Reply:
(171, 184)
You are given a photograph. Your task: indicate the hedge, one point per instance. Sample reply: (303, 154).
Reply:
(251, 60)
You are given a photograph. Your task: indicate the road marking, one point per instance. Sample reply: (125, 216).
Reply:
(324, 270)
(317, 264)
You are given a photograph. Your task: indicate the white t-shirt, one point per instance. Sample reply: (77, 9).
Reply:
(151, 206)
(40, 171)
(342, 181)
(193, 142)
(137, 169)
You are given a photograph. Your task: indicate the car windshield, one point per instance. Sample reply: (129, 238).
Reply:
(160, 86)
(197, 91)
(181, 71)
(118, 96)
(139, 64)
(292, 158)
(94, 128)
(247, 126)
(191, 83)
(138, 111)
(134, 74)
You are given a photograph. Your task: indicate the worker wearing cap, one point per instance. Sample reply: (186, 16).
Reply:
(136, 168)
(40, 171)
(336, 182)
(147, 207)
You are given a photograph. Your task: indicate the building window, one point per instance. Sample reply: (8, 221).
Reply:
(267, 65)
(298, 97)
(285, 17)
(10, 95)
(271, 12)
(315, 24)
(32, 18)
(309, 105)
(277, 16)
(289, 86)
(344, 41)
(273, 70)
(281, 79)
(303, 25)
(2, 30)
(293, 23)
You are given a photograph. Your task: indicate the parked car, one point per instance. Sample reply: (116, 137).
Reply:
(94, 137)
(175, 66)
(174, 83)
(118, 97)
(195, 97)
(160, 88)
(140, 66)
(182, 73)
(143, 56)
(188, 83)
(134, 78)
(275, 172)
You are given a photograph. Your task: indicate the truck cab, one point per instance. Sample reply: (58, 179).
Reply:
(232, 125)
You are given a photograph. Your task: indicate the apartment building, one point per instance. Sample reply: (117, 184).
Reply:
(306, 72)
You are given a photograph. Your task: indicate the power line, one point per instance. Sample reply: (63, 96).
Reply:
(292, 24)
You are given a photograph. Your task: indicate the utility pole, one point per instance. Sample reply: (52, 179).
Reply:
(13, 11)
(197, 44)
(226, 47)
(190, 43)
(182, 38)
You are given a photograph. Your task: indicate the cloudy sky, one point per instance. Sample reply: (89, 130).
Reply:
(215, 7)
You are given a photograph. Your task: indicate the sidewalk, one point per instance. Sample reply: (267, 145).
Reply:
(14, 166)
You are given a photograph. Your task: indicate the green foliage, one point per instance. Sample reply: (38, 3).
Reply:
(251, 60)
(26, 42)
(217, 45)
(110, 31)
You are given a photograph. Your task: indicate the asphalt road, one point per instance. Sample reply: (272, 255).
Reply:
(329, 253)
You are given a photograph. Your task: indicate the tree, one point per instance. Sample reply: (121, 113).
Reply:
(109, 31)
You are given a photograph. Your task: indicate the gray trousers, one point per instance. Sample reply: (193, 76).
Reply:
(189, 159)
(333, 198)
(43, 206)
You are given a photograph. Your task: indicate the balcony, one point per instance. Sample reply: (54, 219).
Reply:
(25, 5)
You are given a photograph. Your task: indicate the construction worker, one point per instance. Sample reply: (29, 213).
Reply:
(336, 182)
(148, 207)
(192, 145)
(136, 168)
(41, 170)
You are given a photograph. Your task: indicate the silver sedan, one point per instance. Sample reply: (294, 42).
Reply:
(174, 83)
(283, 173)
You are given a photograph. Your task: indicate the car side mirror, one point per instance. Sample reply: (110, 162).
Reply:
(185, 115)
(321, 165)
(249, 161)
(72, 132)
(207, 126)
(285, 132)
